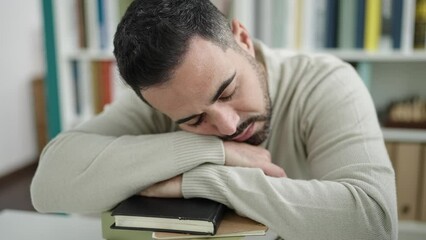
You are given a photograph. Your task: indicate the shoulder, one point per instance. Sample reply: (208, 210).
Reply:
(296, 63)
(311, 65)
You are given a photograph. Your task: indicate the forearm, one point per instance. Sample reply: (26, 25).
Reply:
(299, 209)
(82, 172)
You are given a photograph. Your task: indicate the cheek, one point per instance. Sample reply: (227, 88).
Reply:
(251, 96)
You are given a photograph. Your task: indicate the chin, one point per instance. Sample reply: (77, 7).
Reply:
(257, 138)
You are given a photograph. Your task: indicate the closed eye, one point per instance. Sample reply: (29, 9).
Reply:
(199, 120)
(228, 97)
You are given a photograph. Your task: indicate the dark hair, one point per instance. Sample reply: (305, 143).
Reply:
(154, 35)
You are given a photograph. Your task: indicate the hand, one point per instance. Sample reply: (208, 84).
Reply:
(170, 188)
(245, 155)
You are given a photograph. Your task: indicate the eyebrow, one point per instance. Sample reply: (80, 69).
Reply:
(222, 88)
(219, 92)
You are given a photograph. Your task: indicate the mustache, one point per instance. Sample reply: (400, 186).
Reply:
(242, 127)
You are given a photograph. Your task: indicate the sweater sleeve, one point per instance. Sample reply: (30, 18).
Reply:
(352, 191)
(118, 153)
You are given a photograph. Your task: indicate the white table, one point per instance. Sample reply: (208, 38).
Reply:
(26, 225)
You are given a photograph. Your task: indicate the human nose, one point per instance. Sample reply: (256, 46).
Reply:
(225, 119)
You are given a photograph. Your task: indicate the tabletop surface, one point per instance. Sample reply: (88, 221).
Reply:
(23, 225)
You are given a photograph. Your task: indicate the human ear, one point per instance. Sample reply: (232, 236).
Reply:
(242, 36)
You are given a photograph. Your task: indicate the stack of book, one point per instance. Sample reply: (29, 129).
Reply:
(299, 24)
(175, 218)
(370, 25)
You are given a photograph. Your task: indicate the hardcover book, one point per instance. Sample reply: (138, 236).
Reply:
(331, 24)
(195, 216)
(232, 225)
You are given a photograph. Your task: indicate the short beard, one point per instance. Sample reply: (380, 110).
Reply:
(260, 136)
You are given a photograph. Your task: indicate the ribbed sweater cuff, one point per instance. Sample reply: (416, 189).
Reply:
(206, 181)
(191, 150)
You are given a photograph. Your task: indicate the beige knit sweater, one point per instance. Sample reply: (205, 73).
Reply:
(324, 133)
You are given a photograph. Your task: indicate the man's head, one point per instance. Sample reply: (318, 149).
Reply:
(184, 59)
(154, 35)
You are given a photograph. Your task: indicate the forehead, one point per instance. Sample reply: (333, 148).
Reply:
(204, 67)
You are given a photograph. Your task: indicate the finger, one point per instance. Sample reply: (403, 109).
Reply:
(273, 170)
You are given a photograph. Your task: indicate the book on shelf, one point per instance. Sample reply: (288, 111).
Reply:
(318, 35)
(92, 25)
(347, 24)
(360, 24)
(39, 101)
(195, 215)
(331, 24)
(106, 82)
(298, 24)
(408, 17)
(372, 25)
(322, 23)
(263, 29)
(103, 28)
(81, 23)
(396, 23)
(96, 86)
(97, 21)
(112, 17)
(385, 40)
(76, 78)
(102, 83)
(279, 25)
(310, 13)
(290, 27)
(420, 25)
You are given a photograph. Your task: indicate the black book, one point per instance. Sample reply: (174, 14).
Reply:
(194, 216)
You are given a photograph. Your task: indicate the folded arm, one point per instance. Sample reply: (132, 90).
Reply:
(115, 155)
(351, 193)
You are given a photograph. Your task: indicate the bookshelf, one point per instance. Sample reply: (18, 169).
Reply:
(383, 39)
(78, 39)
(80, 32)
(82, 76)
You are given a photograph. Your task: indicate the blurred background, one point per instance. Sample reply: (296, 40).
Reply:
(58, 70)
(21, 61)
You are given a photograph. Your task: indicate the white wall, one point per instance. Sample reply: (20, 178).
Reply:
(21, 58)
